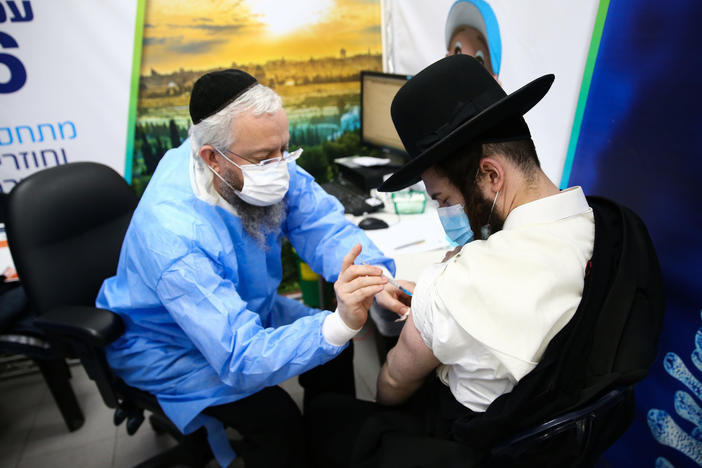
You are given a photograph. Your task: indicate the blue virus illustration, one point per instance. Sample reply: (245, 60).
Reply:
(663, 426)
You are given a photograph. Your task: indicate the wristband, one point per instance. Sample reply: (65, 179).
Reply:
(335, 331)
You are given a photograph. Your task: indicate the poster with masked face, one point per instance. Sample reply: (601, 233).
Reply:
(518, 42)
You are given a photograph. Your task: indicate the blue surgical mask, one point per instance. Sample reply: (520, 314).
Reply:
(456, 225)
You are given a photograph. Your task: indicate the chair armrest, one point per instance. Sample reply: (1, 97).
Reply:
(579, 420)
(89, 325)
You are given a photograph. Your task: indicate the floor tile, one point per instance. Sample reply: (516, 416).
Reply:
(20, 398)
(96, 454)
(145, 443)
(10, 456)
(49, 432)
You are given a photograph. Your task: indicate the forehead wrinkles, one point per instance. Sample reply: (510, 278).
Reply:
(261, 133)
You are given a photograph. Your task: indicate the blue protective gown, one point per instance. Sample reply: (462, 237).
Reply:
(204, 325)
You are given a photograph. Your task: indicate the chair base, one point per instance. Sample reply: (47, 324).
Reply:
(57, 374)
(23, 338)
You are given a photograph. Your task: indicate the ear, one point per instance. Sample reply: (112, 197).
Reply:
(209, 156)
(492, 175)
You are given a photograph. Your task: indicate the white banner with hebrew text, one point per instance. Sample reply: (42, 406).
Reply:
(65, 70)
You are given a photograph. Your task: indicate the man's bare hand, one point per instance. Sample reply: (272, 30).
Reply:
(355, 288)
(393, 299)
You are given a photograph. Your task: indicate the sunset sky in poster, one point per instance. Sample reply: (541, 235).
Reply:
(215, 33)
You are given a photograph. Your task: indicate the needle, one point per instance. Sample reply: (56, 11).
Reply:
(393, 282)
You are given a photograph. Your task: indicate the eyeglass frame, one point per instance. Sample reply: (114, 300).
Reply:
(287, 157)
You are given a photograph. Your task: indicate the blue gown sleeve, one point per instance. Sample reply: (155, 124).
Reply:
(244, 354)
(318, 230)
(285, 311)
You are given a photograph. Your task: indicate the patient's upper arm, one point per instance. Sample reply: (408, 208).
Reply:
(410, 360)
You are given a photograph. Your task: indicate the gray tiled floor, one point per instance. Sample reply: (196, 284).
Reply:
(33, 434)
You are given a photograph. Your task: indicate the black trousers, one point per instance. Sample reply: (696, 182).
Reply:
(271, 423)
(344, 432)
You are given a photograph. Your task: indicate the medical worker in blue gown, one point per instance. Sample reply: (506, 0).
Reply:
(196, 284)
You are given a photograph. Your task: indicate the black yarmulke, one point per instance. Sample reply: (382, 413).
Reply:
(214, 91)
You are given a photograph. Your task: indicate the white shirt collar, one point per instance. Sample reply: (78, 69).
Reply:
(562, 205)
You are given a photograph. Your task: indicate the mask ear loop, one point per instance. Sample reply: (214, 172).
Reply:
(222, 178)
(225, 157)
(486, 230)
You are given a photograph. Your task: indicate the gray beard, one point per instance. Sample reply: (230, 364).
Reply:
(258, 221)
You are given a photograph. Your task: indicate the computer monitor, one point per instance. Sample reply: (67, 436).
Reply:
(377, 92)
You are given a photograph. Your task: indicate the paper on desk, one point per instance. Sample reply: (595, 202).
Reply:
(409, 236)
(369, 161)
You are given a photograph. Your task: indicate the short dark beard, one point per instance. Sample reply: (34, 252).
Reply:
(258, 221)
(462, 167)
(478, 211)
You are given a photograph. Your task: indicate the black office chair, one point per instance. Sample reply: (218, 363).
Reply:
(66, 225)
(584, 385)
(19, 336)
(573, 439)
(580, 397)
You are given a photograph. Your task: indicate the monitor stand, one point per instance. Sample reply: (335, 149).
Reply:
(357, 169)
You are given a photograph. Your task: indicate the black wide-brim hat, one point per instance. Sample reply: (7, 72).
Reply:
(451, 103)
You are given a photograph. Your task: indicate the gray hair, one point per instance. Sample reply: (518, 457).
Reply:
(216, 129)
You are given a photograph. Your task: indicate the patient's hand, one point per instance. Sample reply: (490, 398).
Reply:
(355, 288)
(395, 300)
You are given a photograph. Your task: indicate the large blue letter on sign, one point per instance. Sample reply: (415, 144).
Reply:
(18, 75)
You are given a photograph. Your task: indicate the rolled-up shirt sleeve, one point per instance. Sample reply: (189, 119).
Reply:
(422, 304)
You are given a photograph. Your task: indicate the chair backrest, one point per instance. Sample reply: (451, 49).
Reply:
(3, 203)
(68, 221)
(578, 400)
(574, 439)
(610, 342)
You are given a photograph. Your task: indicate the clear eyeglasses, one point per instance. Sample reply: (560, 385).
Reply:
(287, 157)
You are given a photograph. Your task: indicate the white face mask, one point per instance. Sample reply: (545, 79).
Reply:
(263, 185)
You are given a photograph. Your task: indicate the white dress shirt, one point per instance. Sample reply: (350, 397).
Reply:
(490, 311)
